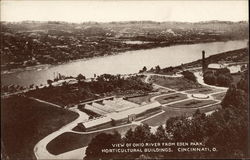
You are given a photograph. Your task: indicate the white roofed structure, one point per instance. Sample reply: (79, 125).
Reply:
(94, 109)
(235, 68)
(96, 121)
(116, 110)
(216, 66)
(136, 110)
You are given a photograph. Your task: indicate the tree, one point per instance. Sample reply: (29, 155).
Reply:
(209, 78)
(142, 133)
(178, 127)
(223, 80)
(220, 77)
(49, 82)
(129, 136)
(157, 69)
(235, 98)
(102, 141)
(189, 75)
(80, 77)
(243, 85)
(144, 69)
(161, 134)
(31, 86)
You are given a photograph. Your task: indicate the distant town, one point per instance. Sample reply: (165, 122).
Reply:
(31, 43)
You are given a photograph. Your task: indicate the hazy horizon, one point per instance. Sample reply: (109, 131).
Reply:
(122, 21)
(123, 11)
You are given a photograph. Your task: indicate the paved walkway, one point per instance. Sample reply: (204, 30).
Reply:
(40, 149)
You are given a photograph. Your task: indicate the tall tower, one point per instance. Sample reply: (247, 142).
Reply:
(204, 67)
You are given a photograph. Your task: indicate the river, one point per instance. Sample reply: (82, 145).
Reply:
(123, 63)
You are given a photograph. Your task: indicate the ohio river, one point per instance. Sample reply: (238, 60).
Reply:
(123, 63)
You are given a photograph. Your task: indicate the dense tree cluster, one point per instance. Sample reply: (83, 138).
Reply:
(69, 94)
(189, 75)
(220, 77)
(225, 129)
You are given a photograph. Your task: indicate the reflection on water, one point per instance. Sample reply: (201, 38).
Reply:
(127, 62)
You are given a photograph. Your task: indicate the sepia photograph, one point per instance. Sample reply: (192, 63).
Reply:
(125, 79)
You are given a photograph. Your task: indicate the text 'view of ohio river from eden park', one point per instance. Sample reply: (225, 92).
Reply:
(123, 63)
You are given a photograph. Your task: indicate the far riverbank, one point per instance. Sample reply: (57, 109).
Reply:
(122, 63)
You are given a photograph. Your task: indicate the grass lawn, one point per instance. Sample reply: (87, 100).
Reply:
(141, 99)
(171, 98)
(24, 122)
(193, 103)
(219, 96)
(177, 83)
(204, 90)
(75, 140)
(172, 112)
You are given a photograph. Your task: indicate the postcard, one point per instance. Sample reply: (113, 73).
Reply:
(124, 80)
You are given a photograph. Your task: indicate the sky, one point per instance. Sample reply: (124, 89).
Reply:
(106, 11)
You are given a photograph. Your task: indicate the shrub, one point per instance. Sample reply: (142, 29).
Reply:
(189, 75)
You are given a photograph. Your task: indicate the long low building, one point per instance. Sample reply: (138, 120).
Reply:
(93, 123)
(134, 111)
(122, 117)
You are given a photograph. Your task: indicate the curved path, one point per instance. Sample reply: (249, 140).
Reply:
(40, 149)
(200, 80)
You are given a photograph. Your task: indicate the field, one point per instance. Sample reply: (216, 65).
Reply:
(25, 122)
(75, 141)
(177, 83)
(173, 112)
(192, 103)
(171, 98)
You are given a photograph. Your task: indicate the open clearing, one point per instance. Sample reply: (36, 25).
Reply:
(177, 83)
(192, 103)
(171, 98)
(76, 141)
(27, 121)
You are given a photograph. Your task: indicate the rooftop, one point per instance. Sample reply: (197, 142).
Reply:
(216, 66)
(96, 121)
(136, 110)
(117, 115)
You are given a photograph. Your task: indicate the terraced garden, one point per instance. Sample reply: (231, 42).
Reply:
(171, 98)
(174, 112)
(192, 103)
(142, 99)
(204, 90)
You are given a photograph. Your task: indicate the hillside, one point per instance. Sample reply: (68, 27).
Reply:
(32, 43)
